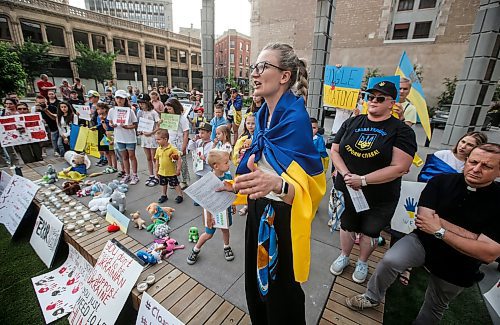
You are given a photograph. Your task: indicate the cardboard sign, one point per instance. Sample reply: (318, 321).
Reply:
(58, 290)
(84, 111)
(342, 86)
(151, 312)
(15, 200)
(187, 108)
(115, 216)
(107, 288)
(91, 147)
(4, 180)
(220, 219)
(22, 129)
(122, 115)
(46, 235)
(170, 121)
(406, 210)
(145, 125)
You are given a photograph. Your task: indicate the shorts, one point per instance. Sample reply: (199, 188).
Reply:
(148, 142)
(212, 230)
(370, 222)
(237, 118)
(169, 180)
(229, 119)
(125, 146)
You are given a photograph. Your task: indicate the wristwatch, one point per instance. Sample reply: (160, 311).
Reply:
(440, 233)
(284, 188)
(363, 181)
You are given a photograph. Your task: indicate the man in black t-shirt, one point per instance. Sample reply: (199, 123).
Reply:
(49, 115)
(458, 229)
(163, 94)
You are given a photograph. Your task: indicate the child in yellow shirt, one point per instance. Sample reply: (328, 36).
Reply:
(168, 162)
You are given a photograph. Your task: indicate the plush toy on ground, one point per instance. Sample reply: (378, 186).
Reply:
(158, 215)
(161, 230)
(50, 176)
(194, 235)
(116, 185)
(138, 221)
(78, 169)
(170, 246)
(153, 254)
(99, 204)
(118, 200)
(71, 187)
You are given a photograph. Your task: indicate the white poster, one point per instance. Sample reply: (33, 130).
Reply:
(15, 200)
(58, 290)
(121, 115)
(493, 297)
(406, 210)
(220, 219)
(152, 313)
(22, 129)
(84, 111)
(4, 180)
(197, 161)
(46, 235)
(106, 290)
(145, 125)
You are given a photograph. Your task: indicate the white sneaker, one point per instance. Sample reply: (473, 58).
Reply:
(339, 265)
(361, 272)
(134, 179)
(125, 179)
(56, 154)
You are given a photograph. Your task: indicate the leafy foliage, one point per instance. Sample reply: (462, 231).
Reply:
(12, 75)
(446, 97)
(370, 73)
(94, 64)
(35, 58)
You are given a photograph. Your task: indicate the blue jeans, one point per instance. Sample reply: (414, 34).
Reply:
(60, 146)
(54, 138)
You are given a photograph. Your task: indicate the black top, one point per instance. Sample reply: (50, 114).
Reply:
(476, 211)
(52, 107)
(164, 98)
(366, 146)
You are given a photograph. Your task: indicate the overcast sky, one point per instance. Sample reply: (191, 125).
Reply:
(228, 14)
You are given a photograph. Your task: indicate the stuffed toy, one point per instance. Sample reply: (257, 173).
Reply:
(158, 215)
(138, 221)
(71, 187)
(50, 176)
(161, 230)
(118, 200)
(174, 156)
(194, 235)
(170, 246)
(99, 204)
(153, 254)
(116, 185)
(101, 190)
(78, 169)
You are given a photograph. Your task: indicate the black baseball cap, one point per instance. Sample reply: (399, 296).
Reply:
(205, 126)
(143, 97)
(385, 87)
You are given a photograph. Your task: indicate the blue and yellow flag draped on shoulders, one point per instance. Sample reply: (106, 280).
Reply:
(288, 147)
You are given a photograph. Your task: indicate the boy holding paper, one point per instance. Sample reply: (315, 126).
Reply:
(219, 161)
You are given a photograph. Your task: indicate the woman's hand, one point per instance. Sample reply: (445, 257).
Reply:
(257, 184)
(66, 140)
(353, 180)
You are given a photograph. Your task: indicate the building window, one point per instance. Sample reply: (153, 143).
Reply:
(400, 31)
(133, 48)
(232, 44)
(241, 73)
(55, 35)
(160, 53)
(231, 58)
(425, 4)
(182, 57)
(241, 59)
(119, 46)
(127, 71)
(246, 61)
(32, 31)
(81, 37)
(199, 59)
(248, 48)
(241, 46)
(99, 42)
(149, 51)
(173, 55)
(194, 59)
(405, 5)
(422, 29)
(4, 29)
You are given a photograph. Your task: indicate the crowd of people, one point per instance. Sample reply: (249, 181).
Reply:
(279, 159)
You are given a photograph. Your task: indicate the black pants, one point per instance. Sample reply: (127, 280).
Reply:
(285, 300)
(30, 152)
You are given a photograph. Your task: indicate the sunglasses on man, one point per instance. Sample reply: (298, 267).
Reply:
(379, 99)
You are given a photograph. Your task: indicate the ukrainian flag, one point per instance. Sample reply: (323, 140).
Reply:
(288, 147)
(416, 96)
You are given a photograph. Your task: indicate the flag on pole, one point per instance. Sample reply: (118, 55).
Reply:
(416, 95)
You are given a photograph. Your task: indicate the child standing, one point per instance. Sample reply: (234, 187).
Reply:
(105, 130)
(148, 141)
(65, 117)
(201, 146)
(319, 143)
(219, 161)
(223, 139)
(218, 119)
(155, 100)
(198, 118)
(167, 169)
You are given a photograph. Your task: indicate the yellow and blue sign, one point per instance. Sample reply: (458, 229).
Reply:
(375, 80)
(342, 86)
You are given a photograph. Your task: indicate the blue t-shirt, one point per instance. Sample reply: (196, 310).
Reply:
(216, 122)
(319, 143)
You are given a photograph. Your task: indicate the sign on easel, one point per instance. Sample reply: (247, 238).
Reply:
(46, 235)
(113, 216)
(151, 312)
(106, 290)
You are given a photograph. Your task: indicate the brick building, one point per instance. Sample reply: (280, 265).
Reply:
(232, 58)
(373, 33)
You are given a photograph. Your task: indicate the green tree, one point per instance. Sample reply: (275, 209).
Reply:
(12, 75)
(94, 64)
(370, 73)
(446, 97)
(35, 58)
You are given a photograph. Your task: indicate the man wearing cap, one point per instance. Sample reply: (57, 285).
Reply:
(370, 152)
(405, 109)
(233, 112)
(44, 85)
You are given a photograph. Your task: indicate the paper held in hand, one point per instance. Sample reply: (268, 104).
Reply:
(203, 192)
(145, 125)
(358, 199)
(197, 161)
(84, 111)
(121, 116)
(170, 121)
(221, 219)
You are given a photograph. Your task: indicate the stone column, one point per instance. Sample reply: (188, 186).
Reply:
(142, 54)
(169, 68)
(110, 49)
(70, 43)
(322, 40)
(480, 73)
(190, 70)
(207, 54)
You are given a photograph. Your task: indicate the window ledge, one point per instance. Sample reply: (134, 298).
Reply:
(417, 40)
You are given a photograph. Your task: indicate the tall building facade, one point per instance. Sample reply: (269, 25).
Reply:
(157, 13)
(232, 59)
(373, 34)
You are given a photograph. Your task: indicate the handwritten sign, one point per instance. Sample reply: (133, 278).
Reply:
(342, 86)
(169, 121)
(46, 235)
(121, 116)
(113, 216)
(15, 200)
(152, 313)
(58, 290)
(4, 180)
(203, 192)
(406, 210)
(220, 219)
(22, 129)
(187, 108)
(107, 288)
(197, 161)
(84, 111)
(145, 125)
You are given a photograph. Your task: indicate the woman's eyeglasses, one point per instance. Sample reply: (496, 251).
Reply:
(260, 67)
(378, 99)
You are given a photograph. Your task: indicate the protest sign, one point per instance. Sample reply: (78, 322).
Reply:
(46, 235)
(342, 86)
(220, 219)
(121, 116)
(169, 121)
(151, 312)
(22, 129)
(187, 109)
(4, 180)
(58, 290)
(406, 210)
(84, 111)
(107, 288)
(197, 161)
(91, 147)
(145, 125)
(113, 216)
(15, 200)
(493, 297)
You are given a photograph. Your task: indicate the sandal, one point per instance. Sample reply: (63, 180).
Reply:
(404, 277)
(109, 170)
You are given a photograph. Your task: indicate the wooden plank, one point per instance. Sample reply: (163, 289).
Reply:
(159, 270)
(335, 318)
(234, 317)
(245, 320)
(91, 246)
(163, 293)
(136, 247)
(186, 300)
(323, 321)
(197, 305)
(164, 281)
(348, 283)
(366, 316)
(179, 293)
(221, 313)
(203, 315)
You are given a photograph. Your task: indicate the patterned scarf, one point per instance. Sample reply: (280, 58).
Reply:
(267, 251)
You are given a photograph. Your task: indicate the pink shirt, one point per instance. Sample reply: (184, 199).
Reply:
(158, 105)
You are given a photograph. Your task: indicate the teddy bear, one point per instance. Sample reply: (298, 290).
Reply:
(138, 221)
(71, 187)
(77, 165)
(159, 215)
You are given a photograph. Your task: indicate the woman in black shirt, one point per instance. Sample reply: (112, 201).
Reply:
(370, 152)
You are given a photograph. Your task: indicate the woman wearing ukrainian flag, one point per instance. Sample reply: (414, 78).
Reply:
(283, 177)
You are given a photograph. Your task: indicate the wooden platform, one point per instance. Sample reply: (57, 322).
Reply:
(184, 297)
